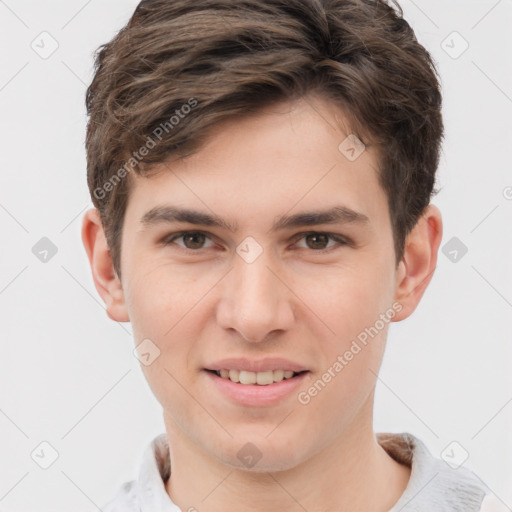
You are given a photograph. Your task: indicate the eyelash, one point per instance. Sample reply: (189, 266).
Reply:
(168, 240)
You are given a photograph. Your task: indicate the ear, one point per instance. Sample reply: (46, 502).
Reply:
(105, 279)
(417, 266)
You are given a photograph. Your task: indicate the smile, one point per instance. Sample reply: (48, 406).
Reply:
(256, 389)
(260, 378)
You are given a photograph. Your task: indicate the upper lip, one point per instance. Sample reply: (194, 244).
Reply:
(256, 365)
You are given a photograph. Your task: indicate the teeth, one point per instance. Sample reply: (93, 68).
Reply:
(278, 375)
(247, 377)
(264, 378)
(261, 378)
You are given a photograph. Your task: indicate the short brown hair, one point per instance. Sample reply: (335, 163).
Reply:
(223, 58)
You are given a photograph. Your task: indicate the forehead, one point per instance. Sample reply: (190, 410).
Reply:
(290, 156)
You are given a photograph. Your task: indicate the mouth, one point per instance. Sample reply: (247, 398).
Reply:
(256, 389)
(265, 378)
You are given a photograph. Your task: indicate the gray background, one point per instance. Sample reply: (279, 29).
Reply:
(68, 373)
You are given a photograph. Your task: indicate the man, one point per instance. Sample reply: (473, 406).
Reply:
(262, 174)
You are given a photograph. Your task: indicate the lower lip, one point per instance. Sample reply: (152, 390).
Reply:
(255, 395)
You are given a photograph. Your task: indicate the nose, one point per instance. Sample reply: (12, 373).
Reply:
(256, 301)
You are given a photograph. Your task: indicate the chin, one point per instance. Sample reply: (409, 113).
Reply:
(257, 454)
(265, 464)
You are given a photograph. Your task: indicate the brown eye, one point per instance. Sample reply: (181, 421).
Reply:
(192, 240)
(318, 241)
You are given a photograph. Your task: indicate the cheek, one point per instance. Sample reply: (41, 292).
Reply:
(162, 310)
(348, 300)
(161, 297)
(350, 303)
(160, 313)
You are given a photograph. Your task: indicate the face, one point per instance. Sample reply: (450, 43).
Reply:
(266, 293)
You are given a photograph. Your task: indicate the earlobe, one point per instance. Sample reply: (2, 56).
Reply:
(105, 279)
(419, 261)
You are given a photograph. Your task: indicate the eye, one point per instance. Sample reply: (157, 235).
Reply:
(193, 239)
(315, 240)
(318, 240)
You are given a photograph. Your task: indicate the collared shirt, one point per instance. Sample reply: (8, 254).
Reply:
(434, 485)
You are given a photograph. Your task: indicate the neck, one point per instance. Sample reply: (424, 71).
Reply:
(353, 473)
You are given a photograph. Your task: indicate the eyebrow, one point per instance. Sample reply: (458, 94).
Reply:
(335, 215)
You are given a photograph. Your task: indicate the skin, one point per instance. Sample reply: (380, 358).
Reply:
(295, 300)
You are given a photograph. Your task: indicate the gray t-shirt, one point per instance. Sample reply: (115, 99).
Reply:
(434, 486)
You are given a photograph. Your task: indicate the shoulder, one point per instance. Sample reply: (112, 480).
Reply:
(434, 484)
(125, 499)
(147, 491)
